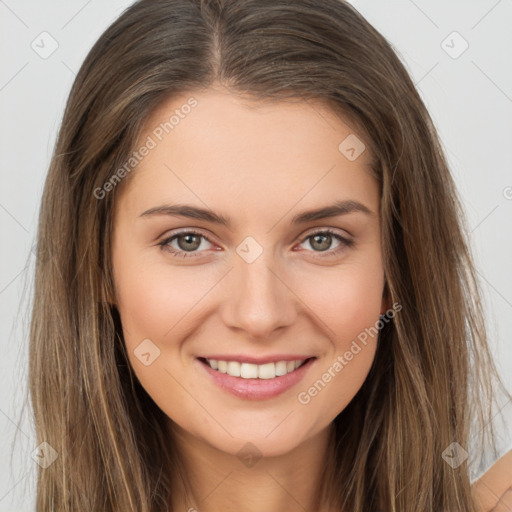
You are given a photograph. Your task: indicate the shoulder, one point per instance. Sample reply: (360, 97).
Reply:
(493, 490)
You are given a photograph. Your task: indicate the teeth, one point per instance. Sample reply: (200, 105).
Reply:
(254, 371)
(248, 371)
(267, 371)
(281, 368)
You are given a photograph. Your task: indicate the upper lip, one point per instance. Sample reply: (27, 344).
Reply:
(257, 359)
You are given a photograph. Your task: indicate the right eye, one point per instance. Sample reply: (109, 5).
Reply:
(187, 243)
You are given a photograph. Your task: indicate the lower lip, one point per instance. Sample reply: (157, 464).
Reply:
(256, 389)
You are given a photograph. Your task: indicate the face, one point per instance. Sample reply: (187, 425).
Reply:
(241, 309)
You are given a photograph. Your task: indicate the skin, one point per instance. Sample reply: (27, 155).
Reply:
(493, 491)
(260, 164)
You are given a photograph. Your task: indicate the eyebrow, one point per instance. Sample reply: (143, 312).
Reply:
(194, 212)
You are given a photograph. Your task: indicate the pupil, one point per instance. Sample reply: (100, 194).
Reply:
(324, 246)
(189, 239)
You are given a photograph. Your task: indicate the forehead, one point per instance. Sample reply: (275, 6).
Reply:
(215, 144)
(217, 115)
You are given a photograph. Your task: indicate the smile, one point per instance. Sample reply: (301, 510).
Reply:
(253, 381)
(255, 371)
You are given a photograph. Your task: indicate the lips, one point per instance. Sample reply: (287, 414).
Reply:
(274, 374)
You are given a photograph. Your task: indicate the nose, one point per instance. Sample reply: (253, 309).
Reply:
(258, 299)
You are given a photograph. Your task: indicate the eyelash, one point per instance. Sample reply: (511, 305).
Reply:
(344, 243)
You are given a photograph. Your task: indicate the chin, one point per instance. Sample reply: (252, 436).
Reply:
(256, 440)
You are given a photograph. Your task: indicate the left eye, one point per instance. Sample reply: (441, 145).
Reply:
(188, 243)
(322, 240)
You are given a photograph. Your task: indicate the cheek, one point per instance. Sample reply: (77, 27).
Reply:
(346, 299)
(349, 306)
(156, 302)
(159, 305)
(335, 383)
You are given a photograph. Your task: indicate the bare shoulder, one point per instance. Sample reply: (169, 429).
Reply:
(493, 490)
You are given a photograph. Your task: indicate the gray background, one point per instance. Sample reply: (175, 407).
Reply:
(469, 95)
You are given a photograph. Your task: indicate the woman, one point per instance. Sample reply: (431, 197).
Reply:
(253, 284)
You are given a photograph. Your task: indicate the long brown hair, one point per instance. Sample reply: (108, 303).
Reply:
(429, 379)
